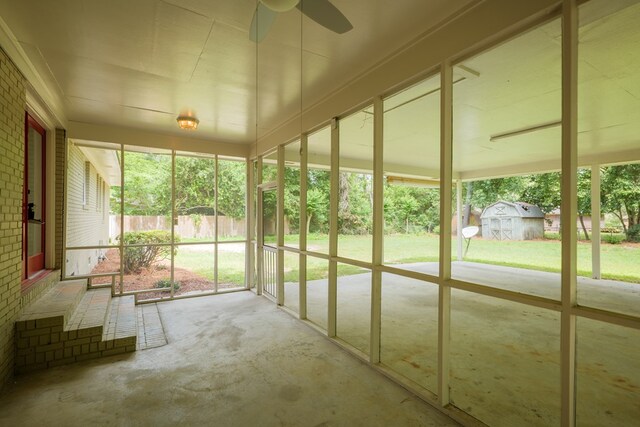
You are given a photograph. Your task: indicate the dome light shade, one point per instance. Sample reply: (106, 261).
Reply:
(187, 122)
(280, 5)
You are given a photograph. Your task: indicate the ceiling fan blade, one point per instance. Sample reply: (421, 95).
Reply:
(262, 20)
(325, 14)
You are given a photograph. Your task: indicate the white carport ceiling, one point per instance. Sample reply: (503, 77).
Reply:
(140, 63)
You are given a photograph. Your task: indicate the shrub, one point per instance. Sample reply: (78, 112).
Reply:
(613, 239)
(138, 257)
(166, 283)
(633, 233)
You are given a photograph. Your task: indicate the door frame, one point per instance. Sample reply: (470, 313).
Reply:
(263, 188)
(32, 265)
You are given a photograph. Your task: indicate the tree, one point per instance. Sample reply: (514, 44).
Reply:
(584, 198)
(195, 186)
(620, 187)
(232, 181)
(318, 186)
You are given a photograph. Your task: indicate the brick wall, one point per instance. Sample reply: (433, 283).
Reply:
(87, 218)
(12, 110)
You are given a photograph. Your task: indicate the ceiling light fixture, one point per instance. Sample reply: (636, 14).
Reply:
(498, 136)
(187, 122)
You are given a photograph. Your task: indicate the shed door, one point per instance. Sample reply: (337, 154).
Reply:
(506, 227)
(495, 229)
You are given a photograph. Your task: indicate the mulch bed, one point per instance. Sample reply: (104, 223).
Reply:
(147, 278)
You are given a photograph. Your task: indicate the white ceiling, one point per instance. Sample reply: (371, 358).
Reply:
(140, 63)
(514, 86)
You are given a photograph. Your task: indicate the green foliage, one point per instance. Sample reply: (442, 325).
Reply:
(318, 201)
(138, 257)
(411, 209)
(621, 193)
(166, 283)
(232, 183)
(355, 203)
(195, 186)
(633, 233)
(147, 189)
(613, 239)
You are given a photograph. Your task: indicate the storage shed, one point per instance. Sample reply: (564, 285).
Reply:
(512, 221)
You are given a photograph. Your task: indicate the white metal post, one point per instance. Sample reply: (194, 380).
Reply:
(444, 294)
(378, 229)
(249, 219)
(122, 166)
(304, 141)
(568, 209)
(459, 217)
(259, 219)
(215, 247)
(333, 229)
(174, 218)
(280, 227)
(595, 222)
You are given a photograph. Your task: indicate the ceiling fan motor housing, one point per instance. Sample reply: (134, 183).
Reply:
(280, 5)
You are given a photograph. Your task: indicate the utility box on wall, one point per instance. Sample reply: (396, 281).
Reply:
(512, 221)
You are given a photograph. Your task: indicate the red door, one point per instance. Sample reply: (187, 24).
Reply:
(33, 200)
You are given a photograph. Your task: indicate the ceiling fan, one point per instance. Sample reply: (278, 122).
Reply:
(321, 11)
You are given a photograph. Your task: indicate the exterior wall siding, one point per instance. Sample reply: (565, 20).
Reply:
(87, 219)
(12, 111)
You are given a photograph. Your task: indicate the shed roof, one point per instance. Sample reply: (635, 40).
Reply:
(525, 210)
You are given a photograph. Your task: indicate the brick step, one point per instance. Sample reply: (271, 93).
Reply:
(99, 326)
(54, 308)
(121, 329)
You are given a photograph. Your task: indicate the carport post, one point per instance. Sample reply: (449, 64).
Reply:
(595, 221)
(459, 217)
(444, 292)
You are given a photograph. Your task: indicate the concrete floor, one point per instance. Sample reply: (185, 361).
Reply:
(505, 357)
(231, 360)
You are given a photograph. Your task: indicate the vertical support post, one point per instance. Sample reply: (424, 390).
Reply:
(568, 208)
(378, 228)
(595, 222)
(444, 294)
(304, 142)
(260, 231)
(174, 218)
(459, 217)
(249, 213)
(63, 261)
(280, 227)
(217, 224)
(122, 166)
(333, 229)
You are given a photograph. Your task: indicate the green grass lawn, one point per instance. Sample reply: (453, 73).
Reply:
(618, 262)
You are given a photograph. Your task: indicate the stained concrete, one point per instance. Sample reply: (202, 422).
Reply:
(504, 356)
(231, 360)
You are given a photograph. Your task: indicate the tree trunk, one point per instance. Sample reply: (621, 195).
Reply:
(407, 225)
(343, 186)
(584, 228)
(308, 221)
(466, 212)
(621, 218)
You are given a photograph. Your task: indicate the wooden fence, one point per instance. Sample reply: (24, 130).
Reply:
(201, 227)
